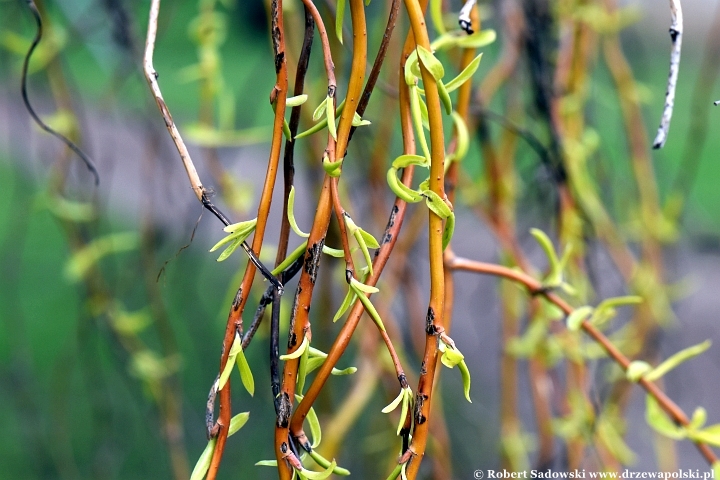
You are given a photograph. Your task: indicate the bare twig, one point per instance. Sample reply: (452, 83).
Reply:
(676, 28)
(23, 86)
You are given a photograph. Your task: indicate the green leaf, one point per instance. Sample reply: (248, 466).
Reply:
(290, 259)
(658, 419)
(400, 190)
(332, 168)
(291, 215)
(89, 255)
(324, 463)
(444, 97)
(554, 278)
(358, 121)
(363, 248)
(451, 357)
(203, 463)
(394, 404)
(315, 430)
(437, 16)
(636, 370)
(417, 122)
(404, 161)
(465, 378)
(296, 353)
(436, 204)
(463, 137)
(302, 372)
(677, 359)
(431, 63)
(448, 230)
(339, 15)
(465, 75)
(286, 131)
(405, 405)
(478, 40)
(330, 111)
(577, 317)
(349, 299)
(319, 111)
(412, 71)
(296, 101)
(344, 371)
(266, 463)
(369, 239)
(319, 475)
(237, 422)
(234, 349)
(69, 209)
(369, 307)
(229, 250)
(396, 472)
(699, 417)
(362, 287)
(245, 373)
(333, 252)
(709, 435)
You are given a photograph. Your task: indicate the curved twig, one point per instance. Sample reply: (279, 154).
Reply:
(26, 100)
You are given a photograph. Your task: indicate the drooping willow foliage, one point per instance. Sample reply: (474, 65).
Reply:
(409, 130)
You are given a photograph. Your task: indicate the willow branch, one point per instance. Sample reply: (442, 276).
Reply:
(535, 287)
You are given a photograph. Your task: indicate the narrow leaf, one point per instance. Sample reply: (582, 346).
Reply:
(444, 97)
(349, 299)
(362, 287)
(431, 63)
(465, 378)
(330, 111)
(636, 370)
(319, 111)
(203, 463)
(465, 75)
(658, 419)
(315, 430)
(575, 319)
(677, 359)
(369, 239)
(462, 135)
(400, 190)
(291, 215)
(478, 40)
(394, 404)
(237, 422)
(296, 101)
(319, 475)
(290, 259)
(245, 373)
(324, 463)
(339, 15)
(404, 161)
(296, 353)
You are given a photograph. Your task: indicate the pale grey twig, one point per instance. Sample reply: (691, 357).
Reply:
(676, 28)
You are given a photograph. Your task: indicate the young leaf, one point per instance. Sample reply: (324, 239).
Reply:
(478, 40)
(463, 137)
(658, 419)
(266, 463)
(709, 435)
(575, 319)
(394, 404)
(296, 101)
(81, 262)
(339, 15)
(319, 111)
(324, 463)
(229, 250)
(291, 214)
(407, 398)
(448, 230)
(451, 357)
(333, 252)
(290, 259)
(315, 430)
(465, 378)
(358, 121)
(245, 373)
(437, 16)
(344, 371)
(237, 422)
(362, 287)
(370, 241)
(404, 161)
(296, 353)
(465, 75)
(636, 370)
(417, 122)
(436, 204)
(330, 111)
(400, 189)
(319, 475)
(431, 63)
(349, 299)
(203, 463)
(444, 97)
(369, 307)
(677, 359)
(286, 131)
(411, 71)
(234, 349)
(332, 168)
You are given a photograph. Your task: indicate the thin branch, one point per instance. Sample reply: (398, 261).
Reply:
(676, 29)
(23, 87)
(535, 287)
